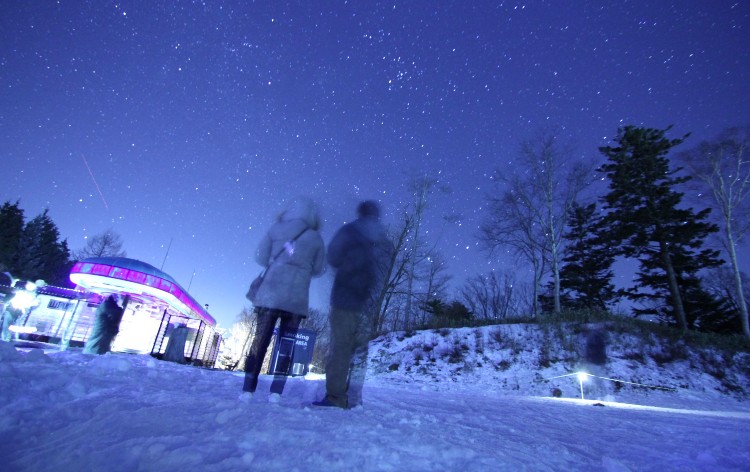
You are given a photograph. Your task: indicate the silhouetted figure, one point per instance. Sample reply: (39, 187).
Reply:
(106, 326)
(293, 252)
(596, 347)
(595, 360)
(359, 252)
(175, 351)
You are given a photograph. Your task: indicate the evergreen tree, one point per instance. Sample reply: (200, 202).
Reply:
(444, 314)
(586, 275)
(703, 310)
(41, 254)
(646, 221)
(11, 228)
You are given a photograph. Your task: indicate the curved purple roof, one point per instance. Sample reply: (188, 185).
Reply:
(132, 264)
(107, 274)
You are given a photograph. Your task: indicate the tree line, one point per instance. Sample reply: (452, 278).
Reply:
(33, 249)
(547, 211)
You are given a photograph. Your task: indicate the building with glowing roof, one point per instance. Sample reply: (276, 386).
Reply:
(158, 306)
(143, 282)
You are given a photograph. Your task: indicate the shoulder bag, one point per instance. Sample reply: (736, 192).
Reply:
(252, 292)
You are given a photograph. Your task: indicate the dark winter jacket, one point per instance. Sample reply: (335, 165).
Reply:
(287, 283)
(360, 252)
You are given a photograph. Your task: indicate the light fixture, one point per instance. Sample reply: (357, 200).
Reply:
(582, 377)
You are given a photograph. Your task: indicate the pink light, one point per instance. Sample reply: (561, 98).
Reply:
(152, 281)
(162, 284)
(137, 278)
(175, 290)
(119, 273)
(100, 269)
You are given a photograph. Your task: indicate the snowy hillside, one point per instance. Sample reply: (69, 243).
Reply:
(467, 399)
(528, 359)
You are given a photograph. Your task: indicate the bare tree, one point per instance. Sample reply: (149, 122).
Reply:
(415, 270)
(237, 343)
(411, 275)
(720, 283)
(396, 299)
(434, 280)
(436, 276)
(106, 244)
(512, 225)
(529, 210)
(317, 321)
(421, 189)
(723, 167)
(490, 296)
(394, 274)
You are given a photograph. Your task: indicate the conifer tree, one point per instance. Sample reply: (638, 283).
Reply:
(586, 274)
(645, 219)
(11, 227)
(41, 254)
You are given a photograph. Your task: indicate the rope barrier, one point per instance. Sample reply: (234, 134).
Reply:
(670, 389)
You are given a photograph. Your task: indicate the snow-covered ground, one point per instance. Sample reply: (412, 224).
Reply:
(66, 411)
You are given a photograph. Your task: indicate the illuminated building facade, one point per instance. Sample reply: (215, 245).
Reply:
(158, 305)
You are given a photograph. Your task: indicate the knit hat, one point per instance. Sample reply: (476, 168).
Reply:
(369, 208)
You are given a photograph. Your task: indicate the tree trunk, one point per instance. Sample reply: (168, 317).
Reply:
(535, 289)
(418, 211)
(556, 278)
(737, 280)
(674, 288)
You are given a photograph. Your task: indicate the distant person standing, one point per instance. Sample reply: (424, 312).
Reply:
(594, 359)
(106, 325)
(9, 316)
(23, 300)
(359, 252)
(293, 252)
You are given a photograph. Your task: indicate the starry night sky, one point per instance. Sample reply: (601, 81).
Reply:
(184, 126)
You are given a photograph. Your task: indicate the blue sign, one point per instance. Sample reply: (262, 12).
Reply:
(292, 352)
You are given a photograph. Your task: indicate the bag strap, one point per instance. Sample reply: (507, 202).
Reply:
(276, 256)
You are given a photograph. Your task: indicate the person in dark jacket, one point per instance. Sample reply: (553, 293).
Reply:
(294, 252)
(106, 326)
(360, 253)
(594, 360)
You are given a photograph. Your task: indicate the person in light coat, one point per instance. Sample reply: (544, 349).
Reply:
(293, 252)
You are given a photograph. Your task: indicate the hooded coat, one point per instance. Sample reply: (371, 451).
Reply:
(287, 283)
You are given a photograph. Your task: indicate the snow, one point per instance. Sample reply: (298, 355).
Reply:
(424, 410)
